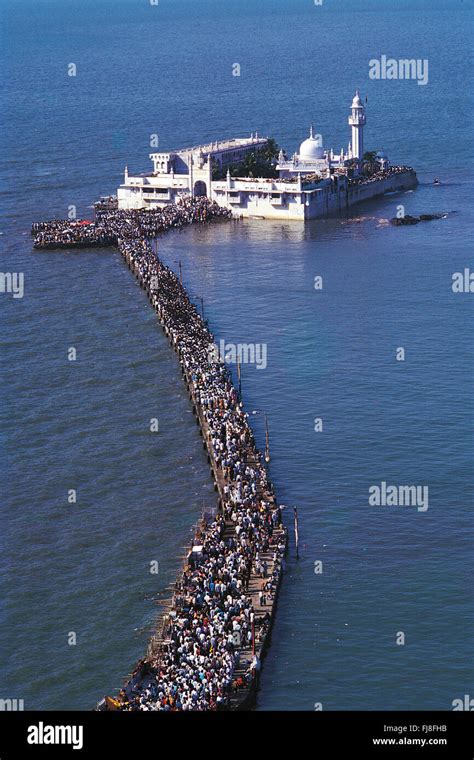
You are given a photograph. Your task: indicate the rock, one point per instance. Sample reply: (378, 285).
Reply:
(404, 220)
(407, 219)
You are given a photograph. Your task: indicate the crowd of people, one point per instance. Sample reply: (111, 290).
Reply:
(210, 641)
(149, 222)
(197, 663)
(63, 233)
(112, 224)
(378, 175)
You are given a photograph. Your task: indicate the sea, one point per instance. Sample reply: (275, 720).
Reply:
(97, 508)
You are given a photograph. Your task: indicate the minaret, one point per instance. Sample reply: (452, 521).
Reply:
(357, 122)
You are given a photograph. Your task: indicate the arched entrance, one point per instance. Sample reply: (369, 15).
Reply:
(200, 188)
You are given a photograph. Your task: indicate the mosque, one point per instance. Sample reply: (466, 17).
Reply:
(314, 182)
(313, 159)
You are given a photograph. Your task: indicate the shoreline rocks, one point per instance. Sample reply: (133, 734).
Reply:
(408, 219)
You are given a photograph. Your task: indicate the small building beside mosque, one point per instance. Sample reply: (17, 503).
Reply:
(315, 181)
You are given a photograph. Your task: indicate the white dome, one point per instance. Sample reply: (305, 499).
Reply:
(356, 101)
(310, 149)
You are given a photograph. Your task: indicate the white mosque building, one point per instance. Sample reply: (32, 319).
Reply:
(314, 182)
(313, 159)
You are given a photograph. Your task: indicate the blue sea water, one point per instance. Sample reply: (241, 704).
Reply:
(84, 425)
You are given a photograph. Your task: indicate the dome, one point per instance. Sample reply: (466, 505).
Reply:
(310, 149)
(356, 101)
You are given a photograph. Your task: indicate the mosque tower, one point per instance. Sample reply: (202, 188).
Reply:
(357, 122)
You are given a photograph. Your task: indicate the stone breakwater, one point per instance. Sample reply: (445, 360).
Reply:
(207, 650)
(206, 654)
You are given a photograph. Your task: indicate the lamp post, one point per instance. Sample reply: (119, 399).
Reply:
(239, 378)
(200, 298)
(178, 261)
(295, 514)
(267, 435)
(252, 620)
